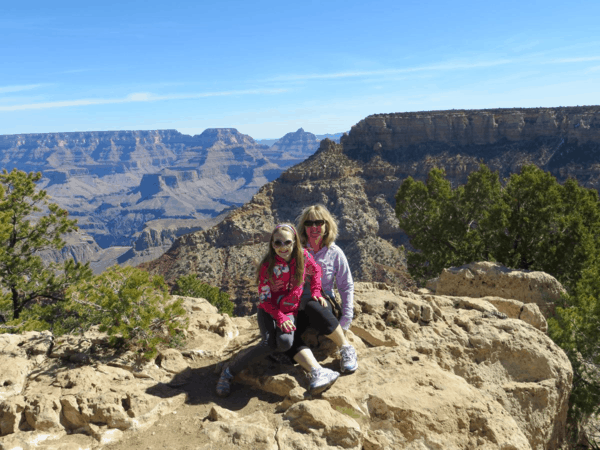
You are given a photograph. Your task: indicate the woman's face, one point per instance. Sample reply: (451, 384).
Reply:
(314, 231)
(283, 243)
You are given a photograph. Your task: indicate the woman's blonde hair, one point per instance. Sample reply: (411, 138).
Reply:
(318, 212)
(297, 255)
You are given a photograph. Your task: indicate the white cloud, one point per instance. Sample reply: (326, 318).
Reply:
(19, 88)
(369, 73)
(136, 97)
(575, 60)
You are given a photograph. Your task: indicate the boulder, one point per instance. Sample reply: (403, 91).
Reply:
(481, 279)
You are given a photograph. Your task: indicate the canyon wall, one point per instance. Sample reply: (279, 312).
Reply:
(564, 141)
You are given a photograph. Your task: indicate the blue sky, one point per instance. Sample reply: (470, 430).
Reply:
(268, 68)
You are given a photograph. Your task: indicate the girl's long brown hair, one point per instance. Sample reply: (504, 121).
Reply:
(297, 256)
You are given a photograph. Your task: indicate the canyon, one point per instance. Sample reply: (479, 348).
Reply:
(134, 192)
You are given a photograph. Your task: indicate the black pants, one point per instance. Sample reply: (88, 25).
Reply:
(316, 316)
(273, 340)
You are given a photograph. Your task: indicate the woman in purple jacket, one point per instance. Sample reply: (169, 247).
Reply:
(318, 230)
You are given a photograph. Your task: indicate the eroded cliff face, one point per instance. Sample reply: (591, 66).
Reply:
(564, 141)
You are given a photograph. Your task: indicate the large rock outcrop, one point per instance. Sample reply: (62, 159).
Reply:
(441, 372)
(481, 279)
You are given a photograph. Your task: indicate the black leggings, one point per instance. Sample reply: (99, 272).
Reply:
(315, 316)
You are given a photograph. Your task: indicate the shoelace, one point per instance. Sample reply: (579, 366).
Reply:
(346, 355)
(313, 375)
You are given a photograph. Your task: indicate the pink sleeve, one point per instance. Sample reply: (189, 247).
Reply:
(311, 266)
(265, 299)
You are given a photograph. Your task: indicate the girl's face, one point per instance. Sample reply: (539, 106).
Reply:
(315, 229)
(283, 243)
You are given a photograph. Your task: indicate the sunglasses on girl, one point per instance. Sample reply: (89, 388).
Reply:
(279, 243)
(313, 223)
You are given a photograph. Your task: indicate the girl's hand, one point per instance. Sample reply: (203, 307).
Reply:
(288, 326)
(321, 300)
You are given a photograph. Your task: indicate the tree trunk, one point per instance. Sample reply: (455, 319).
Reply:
(16, 306)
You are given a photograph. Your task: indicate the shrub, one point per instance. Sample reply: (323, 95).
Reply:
(133, 307)
(191, 286)
(576, 328)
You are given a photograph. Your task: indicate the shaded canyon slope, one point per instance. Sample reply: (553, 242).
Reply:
(358, 179)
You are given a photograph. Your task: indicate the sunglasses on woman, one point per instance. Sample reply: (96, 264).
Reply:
(313, 223)
(279, 243)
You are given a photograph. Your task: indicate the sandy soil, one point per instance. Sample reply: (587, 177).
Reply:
(182, 428)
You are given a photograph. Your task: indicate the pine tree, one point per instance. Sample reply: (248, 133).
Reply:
(532, 222)
(31, 224)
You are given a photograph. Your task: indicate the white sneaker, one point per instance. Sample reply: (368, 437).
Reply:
(321, 379)
(348, 360)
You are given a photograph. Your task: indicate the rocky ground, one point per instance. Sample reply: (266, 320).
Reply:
(436, 372)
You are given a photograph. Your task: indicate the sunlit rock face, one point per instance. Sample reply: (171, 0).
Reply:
(134, 192)
(358, 179)
(562, 140)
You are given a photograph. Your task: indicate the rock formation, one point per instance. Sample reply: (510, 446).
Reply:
(435, 371)
(483, 279)
(293, 148)
(358, 179)
(562, 140)
(114, 183)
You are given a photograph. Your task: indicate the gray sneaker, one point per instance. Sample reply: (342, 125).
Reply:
(321, 379)
(348, 360)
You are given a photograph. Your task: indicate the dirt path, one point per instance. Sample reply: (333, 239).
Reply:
(182, 428)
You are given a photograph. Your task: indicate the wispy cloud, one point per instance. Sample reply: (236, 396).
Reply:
(136, 97)
(384, 72)
(19, 88)
(574, 60)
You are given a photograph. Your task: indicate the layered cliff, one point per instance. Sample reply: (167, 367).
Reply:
(114, 182)
(357, 194)
(563, 140)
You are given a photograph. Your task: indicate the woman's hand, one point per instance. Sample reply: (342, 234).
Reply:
(288, 326)
(321, 300)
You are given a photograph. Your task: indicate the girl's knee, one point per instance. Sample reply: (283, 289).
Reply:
(285, 342)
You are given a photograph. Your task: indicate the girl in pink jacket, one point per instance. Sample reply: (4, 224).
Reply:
(281, 277)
